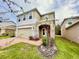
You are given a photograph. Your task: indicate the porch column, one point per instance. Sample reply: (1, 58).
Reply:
(52, 31)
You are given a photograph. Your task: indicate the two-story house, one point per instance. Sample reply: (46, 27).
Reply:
(32, 23)
(70, 28)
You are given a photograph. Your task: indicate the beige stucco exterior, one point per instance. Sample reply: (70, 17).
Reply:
(71, 32)
(30, 27)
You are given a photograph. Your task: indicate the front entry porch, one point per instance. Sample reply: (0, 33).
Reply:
(44, 30)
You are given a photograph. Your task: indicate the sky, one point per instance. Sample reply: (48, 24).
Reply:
(62, 8)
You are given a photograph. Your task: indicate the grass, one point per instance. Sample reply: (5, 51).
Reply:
(20, 51)
(66, 50)
(4, 37)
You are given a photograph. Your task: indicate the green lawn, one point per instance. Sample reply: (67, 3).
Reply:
(66, 50)
(4, 37)
(20, 51)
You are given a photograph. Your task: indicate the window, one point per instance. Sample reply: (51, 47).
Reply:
(19, 20)
(69, 23)
(24, 18)
(30, 17)
(0, 21)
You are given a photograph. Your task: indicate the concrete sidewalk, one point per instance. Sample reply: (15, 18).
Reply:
(11, 41)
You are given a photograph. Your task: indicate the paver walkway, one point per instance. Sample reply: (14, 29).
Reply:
(11, 41)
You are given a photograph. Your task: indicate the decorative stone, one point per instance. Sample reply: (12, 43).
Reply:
(47, 52)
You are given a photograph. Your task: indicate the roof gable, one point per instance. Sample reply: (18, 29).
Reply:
(73, 25)
(75, 17)
(35, 9)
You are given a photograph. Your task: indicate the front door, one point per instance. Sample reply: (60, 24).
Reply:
(44, 32)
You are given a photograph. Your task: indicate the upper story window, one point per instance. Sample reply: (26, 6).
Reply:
(19, 20)
(30, 17)
(0, 21)
(24, 18)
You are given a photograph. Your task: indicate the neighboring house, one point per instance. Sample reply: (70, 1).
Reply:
(32, 23)
(70, 28)
(7, 28)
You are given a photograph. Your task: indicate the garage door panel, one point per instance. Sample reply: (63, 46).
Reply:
(25, 32)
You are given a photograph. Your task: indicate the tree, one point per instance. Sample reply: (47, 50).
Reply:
(10, 2)
(58, 30)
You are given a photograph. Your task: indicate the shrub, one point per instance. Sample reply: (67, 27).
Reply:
(12, 35)
(58, 30)
(30, 38)
(45, 41)
(33, 38)
(36, 38)
(8, 34)
(4, 34)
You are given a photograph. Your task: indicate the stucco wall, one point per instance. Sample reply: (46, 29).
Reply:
(50, 16)
(36, 16)
(71, 33)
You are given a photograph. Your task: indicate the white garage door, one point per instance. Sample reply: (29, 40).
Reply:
(26, 32)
